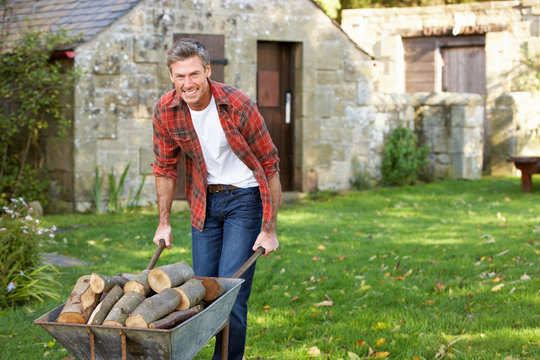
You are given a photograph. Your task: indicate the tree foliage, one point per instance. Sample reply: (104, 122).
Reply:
(32, 89)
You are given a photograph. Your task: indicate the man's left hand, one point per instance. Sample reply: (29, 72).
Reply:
(268, 240)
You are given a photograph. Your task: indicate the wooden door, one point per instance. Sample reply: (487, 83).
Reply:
(216, 50)
(275, 99)
(464, 69)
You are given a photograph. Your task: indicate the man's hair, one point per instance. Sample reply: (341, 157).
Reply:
(184, 49)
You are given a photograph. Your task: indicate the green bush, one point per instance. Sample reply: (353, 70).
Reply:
(22, 275)
(402, 158)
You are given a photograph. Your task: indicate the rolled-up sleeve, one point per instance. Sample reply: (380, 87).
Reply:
(166, 150)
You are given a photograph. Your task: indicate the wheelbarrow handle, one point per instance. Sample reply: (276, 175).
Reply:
(155, 258)
(260, 251)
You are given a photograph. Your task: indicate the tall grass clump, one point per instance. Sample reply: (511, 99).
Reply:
(22, 277)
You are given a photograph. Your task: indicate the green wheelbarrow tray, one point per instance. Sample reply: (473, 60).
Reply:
(108, 342)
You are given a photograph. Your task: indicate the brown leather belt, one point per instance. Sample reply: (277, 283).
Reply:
(215, 188)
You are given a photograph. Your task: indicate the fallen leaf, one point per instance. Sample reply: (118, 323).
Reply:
(353, 356)
(440, 287)
(324, 303)
(315, 258)
(408, 273)
(380, 355)
(321, 247)
(497, 287)
(342, 257)
(373, 258)
(294, 298)
(497, 279)
(380, 342)
(360, 343)
(503, 253)
(267, 308)
(525, 277)
(399, 278)
(314, 351)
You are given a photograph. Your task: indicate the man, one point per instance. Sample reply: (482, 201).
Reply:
(232, 174)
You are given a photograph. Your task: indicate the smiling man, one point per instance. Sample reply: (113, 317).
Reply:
(232, 174)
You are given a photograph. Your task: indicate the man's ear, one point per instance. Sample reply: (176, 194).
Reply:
(171, 77)
(208, 71)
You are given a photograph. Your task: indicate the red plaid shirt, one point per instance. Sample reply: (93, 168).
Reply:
(244, 129)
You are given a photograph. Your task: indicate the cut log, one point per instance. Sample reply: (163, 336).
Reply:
(139, 284)
(192, 292)
(154, 308)
(213, 287)
(80, 303)
(101, 283)
(121, 310)
(176, 318)
(104, 307)
(169, 276)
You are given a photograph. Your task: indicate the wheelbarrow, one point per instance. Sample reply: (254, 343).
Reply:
(100, 342)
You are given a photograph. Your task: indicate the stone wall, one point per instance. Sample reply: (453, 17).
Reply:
(509, 27)
(516, 121)
(452, 125)
(125, 73)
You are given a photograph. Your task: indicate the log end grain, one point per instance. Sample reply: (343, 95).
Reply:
(71, 318)
(135, 287)
(158, 280)
(136, 321)
(112, 323)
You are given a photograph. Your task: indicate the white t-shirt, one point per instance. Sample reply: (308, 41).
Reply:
(222, 164)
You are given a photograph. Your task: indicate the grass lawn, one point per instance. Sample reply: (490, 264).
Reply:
(444, 270)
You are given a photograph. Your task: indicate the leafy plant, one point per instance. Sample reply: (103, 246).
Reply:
(528, 78)
(402, 158)
(133, 202)
(32, 91)
(22, 277)
(115, 204)
(96, 190)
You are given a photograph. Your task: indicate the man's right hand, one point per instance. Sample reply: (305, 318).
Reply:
(164, 232)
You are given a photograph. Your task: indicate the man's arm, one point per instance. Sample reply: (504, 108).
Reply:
(268, 239)
(165, 193)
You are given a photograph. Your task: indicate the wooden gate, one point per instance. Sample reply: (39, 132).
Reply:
(275, 99)
(453, 64)
(464, 69)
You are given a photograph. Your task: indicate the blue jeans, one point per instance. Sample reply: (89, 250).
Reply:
(233, 222)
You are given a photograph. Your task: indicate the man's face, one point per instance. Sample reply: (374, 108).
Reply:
(189, 77)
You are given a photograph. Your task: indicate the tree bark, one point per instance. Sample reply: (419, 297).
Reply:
(101, 283)
(213, 287)
(121, 310)
(104, 307)
(80, 303)
(169, 276)
(139, 284)
(175, 318)
(192, 292)
(154, 308)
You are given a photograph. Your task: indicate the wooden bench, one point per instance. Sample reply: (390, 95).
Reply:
(528, 165)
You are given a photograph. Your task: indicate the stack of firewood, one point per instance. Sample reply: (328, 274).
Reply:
(160, 298)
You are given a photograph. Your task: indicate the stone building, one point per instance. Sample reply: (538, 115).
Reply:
(472, 48)
(293, 60)
(319, 92)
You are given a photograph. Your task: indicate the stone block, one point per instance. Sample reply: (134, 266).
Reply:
(467, 141)
(148, 49)
(467, 116)
(363, 91)
(327, 59)
(146, 159)
(109, 64)
(324, 102)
